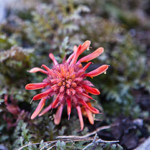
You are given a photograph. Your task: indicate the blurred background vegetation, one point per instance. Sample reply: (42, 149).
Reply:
(31, 29)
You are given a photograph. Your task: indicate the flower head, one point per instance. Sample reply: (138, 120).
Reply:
(67, 84)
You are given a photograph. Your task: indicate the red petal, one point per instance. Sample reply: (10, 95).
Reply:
(39, 108)
(55, 87)
(87, 83)
(85, 46)
(80, 50)
(84, 94)
(89, 115)
(71, 56)
(68, 107)
(72, 91)
(93, 55)
(86, 66)
(75, 48)
(53, 59)
(48, 69)
(57, 118)
(91, 90)
(55, 102)
(45, 110)
(62, 88)
(76, 55)
(80, 117)
(79, 89)
(54, 81)
(92, 109)
(68, 92)
(97, 71)
(41, 95)
(63, 71)
(78, 79)
(36, 69)
(35, 86)
(61, 96)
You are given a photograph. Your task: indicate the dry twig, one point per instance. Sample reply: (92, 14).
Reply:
(67, 139)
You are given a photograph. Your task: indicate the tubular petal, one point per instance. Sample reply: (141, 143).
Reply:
(45, 110)
(75, 48)
(87, 83)
(48, 69)
(41, 95)
(71, 70)
(62, 88)
(36, 69)
(68, 107)
(61, 97)
(93, 55)
(35, 86)
(79, 89)
(89, 115)
(54, 81)
(72, 91)
(97, 71)
(80, 73)
(39, 108)
(84, 46)
(58, 114)
(91, 90)
(92, 109)
(78, 79)
(80, 117)
(95, 111)
(71, 56)
(80, 50)
(86, 95)
(76, 55)
(63, 71)
(54, 87)
(68, 92)
(51, 56)
(86, 66)
(55, 102)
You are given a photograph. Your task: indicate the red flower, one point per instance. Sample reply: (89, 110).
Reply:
(67, 83)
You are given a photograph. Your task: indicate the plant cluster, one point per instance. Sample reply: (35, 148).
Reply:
(33, 29)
